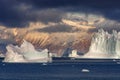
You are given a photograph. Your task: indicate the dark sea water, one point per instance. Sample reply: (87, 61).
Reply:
(3, 47)
(84, 69)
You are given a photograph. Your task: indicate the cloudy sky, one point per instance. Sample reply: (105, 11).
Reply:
(98, 13)
(53, 16)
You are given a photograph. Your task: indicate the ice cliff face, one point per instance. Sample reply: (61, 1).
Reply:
(104, 45)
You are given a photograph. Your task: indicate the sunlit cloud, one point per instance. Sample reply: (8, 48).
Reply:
(75, 20)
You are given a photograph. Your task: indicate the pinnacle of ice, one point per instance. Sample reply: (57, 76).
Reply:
(104, 45)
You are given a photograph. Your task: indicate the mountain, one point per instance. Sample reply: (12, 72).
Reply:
(54, 36)
(57, 42)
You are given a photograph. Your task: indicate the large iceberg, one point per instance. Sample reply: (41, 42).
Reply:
(26, 53)
(104, 45)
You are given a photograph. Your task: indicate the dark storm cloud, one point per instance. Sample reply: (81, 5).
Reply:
(60, 3)
(56, 28)
(14, 13)
(21, 12)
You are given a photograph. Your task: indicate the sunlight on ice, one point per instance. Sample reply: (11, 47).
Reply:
(103, 45)
(73, 54)
(85, 70)
(26, 53)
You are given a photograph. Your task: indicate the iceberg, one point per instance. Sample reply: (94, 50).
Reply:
(74, 54)
(104, 45)
(2, 55)
(26, 53)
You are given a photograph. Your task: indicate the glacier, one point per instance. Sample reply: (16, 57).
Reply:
(26, 53)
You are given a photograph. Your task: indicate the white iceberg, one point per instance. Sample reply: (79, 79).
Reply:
(26, 53)
(74, 54)
(2, 55)
(104, 45)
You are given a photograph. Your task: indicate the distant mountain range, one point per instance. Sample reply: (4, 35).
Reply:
(54, 36)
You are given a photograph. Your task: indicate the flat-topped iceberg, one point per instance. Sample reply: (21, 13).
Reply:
(26, 53)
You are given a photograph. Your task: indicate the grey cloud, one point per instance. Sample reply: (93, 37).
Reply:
(56, 28)
(49, 15)
(14, 13)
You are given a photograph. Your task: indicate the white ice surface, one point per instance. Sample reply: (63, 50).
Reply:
(26, 53)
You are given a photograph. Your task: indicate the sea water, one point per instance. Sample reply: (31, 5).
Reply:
(73, 70)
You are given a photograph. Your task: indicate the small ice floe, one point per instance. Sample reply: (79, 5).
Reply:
(118, 62)
(3, 64)
(85, 70)
(72, 58)
(44, 64)
(114, 60)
